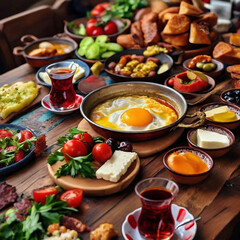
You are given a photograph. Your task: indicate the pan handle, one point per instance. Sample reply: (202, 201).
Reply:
(201, 119)
(18, 51)
(26, 39)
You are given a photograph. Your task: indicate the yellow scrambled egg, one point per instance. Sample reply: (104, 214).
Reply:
(17, 96)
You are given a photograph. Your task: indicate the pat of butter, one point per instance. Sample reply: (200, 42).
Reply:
(212, 112)
(209, 139)
(116, 166)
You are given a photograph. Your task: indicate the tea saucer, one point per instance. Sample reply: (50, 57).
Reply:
(180, 215)
(47, 105)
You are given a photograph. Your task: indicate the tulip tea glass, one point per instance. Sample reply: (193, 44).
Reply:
(62, 94)
(156, 221)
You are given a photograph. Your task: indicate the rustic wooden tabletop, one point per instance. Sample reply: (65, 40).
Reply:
(216, 199)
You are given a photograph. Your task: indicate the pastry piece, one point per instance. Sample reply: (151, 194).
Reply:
(176, 25)
(209, 18)
(222, 49)
(104, 232)
(168, 10)
(234, 69)
(158, 5)
(199, 33)
(190, 10)
(213, 35)
(180, 40)
(168, 16)
(149, 27)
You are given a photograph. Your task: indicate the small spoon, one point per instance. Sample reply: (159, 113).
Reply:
(182, 224)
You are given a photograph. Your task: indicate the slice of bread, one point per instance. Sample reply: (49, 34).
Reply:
(180, 40)
(199, 33)
(190, 10)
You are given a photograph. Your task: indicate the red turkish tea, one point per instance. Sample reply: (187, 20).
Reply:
(62, 93)
(156, 221)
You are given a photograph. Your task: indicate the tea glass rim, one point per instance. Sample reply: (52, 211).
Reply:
(50, 67)
(156, 178)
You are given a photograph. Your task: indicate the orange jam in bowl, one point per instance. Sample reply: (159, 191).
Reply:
(186, 163)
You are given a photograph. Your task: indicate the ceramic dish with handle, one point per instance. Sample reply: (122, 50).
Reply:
(122, 24)
(230, 125)
(5, 171)
(163, 59)
(189, 178)
(215, 73)
(77, 61)
(33, 43)
(213, 152)
(151, 90)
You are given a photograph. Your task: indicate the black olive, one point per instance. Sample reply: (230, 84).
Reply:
(237, 92)
(125, 146)
(230, 94)
(231, 99)
(237, 99)
(112, 143)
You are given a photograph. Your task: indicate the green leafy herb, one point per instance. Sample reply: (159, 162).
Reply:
(82, 165)
(39, 218)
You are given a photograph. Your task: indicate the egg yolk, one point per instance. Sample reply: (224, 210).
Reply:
(137, 117)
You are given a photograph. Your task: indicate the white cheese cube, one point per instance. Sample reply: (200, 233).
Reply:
(116, 166)
(209, 139)
(222, 109)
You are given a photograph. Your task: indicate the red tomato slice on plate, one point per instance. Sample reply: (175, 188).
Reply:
(73, 197)
(40, 195)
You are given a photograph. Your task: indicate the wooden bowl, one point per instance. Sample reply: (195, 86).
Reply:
(163, 58)
(42, 61)
(230, 125)
(213, 152)
(189, 178)
(122, 24)
(217, 72)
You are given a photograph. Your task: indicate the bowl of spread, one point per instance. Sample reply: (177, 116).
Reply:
(187, 165)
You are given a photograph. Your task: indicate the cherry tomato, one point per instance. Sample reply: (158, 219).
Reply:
(90, 26)
(110, 28)
(171, 82)
(99, 9)
(101, 152)
(40, 195)
(19, 156)
(74, 148)
(96, 32)
(85, 138)
(73, 197)
(25, 135)
(5, 133)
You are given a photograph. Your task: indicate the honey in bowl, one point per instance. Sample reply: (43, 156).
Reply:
(132, 113)
(186, 163)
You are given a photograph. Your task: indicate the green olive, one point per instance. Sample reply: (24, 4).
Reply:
(208, 67)
(200, 65)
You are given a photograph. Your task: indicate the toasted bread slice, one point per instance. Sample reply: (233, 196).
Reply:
(180, 40)
(234, 69)
(199, 33)
(209, 18)
(168, 16)
(222, 49)
(168, 10)
(190, 10)
(177, 24)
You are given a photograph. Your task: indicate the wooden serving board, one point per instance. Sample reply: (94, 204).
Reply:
(145, 148)
(93, 186)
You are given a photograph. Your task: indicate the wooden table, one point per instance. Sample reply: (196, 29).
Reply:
(216, 199)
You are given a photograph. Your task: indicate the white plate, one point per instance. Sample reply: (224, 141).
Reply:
(180, 214)
(47, 105)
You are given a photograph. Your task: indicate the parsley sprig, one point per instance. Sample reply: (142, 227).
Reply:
(76, 165)
(35, 225)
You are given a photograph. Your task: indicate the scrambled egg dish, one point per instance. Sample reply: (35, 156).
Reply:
(17, 96)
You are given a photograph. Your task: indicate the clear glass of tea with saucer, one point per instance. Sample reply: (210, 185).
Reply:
(62, 95)
(156, 221)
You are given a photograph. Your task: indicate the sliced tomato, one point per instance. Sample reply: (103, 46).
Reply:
(73, 197)
(40, 195)
(5, 133)
(19, 156)
(101, 152)
(11, 148)
(25, 135)
(74, 148)
(86, 138)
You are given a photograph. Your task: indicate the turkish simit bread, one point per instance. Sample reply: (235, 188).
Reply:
(190, 10)
(180, 40)
(199, 33)
(177, 24)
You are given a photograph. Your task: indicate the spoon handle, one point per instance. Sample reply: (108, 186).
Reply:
(182, 224)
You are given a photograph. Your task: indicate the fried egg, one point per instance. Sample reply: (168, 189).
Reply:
(133, 113)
